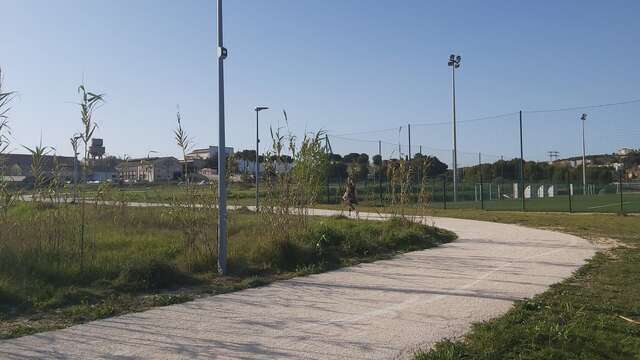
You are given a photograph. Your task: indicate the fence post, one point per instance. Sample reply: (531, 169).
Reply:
(328, 200)
(569, 190)
(380, 172)
(621, 203)
(338, 197)
(481, 189)
(521, 164)
(444, 190)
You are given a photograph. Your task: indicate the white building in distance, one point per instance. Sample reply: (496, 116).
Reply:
(208, 153)
(625, 152)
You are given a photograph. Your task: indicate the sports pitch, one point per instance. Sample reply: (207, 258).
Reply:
(609, 203)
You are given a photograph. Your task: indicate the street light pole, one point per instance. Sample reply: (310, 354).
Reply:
(258, 109)
(222, 189)
(584, 157)
(454, 62)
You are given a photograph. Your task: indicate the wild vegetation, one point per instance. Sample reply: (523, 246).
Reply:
(7, 197)
(136, 251)
(67, 258)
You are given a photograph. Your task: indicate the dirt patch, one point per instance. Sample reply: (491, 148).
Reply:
(604, 243)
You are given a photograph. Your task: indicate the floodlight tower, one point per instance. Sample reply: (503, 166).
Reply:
(454, 62)
(584, 157)
(258, 109)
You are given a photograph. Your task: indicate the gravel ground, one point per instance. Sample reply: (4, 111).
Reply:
(380, 310)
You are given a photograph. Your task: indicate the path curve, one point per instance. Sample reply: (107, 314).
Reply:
(379, 310)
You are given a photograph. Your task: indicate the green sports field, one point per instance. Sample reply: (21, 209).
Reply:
(604, 200)
(244, 194)
(609, 203)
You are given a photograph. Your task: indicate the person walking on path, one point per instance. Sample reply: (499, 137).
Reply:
(350, 197)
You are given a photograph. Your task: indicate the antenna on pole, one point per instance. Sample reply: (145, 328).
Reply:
(553, 155)
(327, 144)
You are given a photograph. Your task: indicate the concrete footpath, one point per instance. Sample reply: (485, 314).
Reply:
(380, 310)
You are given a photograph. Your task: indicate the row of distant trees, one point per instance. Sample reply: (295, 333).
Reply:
(509, 170)
(250, 155)
(361, 168)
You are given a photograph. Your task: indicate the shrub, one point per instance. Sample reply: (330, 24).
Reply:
(141, 275)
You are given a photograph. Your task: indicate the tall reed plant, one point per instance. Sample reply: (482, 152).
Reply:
(194, 213)
(7, 197)
(89, 102)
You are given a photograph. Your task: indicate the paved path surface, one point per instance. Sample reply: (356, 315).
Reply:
(379, 310)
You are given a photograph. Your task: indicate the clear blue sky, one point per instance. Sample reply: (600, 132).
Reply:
(342, 65)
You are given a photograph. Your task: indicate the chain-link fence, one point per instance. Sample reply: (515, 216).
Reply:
(538, 160)
(502, 196)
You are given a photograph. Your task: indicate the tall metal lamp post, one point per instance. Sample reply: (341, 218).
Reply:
(222, 188)
(258, 109)
(454, 62)
(584, 157)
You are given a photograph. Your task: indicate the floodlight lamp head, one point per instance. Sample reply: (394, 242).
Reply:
(452, 57)
(450, 63)
(458, 58)
(583, 117)
(260, 108)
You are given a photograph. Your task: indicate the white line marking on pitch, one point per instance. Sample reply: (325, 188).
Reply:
(607, 205)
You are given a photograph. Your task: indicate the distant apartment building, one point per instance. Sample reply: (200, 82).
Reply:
(573, 162)
(209, 153)
(155, 169)
(249, 166)
(625, 152)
